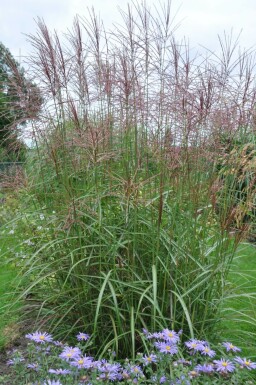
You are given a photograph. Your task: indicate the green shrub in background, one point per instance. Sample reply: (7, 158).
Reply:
(237, 176)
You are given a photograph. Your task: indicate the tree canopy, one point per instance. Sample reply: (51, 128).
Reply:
(19, 102)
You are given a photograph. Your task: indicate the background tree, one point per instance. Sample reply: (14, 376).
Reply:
(19, 102)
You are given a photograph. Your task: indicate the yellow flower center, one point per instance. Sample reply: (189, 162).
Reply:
(80, 362)
(149, 359)
(231, 346)
(42, 338)
(193, 345)
(168, 347)
(170, 334)
(247, 363)
(224, 364)
(207, 350)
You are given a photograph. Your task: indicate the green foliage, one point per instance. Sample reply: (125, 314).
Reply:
(237, 178)
(238, 313)
(128, 246)
(19, 101)
(47, 362)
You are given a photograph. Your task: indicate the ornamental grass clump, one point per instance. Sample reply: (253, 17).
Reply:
(124, 153)
(166, 361)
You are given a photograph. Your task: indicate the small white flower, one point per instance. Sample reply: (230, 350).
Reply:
(11, 232)
(41, 216)
(39, 228)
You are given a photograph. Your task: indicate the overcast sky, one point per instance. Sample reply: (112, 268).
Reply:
(201, 20)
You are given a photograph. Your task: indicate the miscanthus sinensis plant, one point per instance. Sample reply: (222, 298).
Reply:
(165, 360)
(123, 152)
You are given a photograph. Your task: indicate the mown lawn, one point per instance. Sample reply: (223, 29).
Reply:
(239, 311)
(8, 319)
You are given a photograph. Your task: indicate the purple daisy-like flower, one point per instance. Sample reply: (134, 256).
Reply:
(109, 371)
(14, 361)
(60, 371)
(230, 347)
(162, 379)
(158, 335)
(135, 370)
(58, 343)
(39, 337)
(82, 336)
(34, 366)
(205, 368)
(195, 345)
(206, 351)
(149, 359)
(170, 336)
(164, 347)
(82, 362)
(52, 382)
(224, 366)
(244, 363)
(70, 353)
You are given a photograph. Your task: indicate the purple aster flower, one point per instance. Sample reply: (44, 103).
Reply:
(82, 336)
(158, 335)
(170, 336)
(164, 347)
(183, 362)
(205, 368)
(34, 367)
(69, 353)
(193, 374)
(224, 366)
(162, 379)
(135, 370)
(230, 347)
(206, 351)
(60, 371)
(14, 361)
(39, 337)
(195, 345)
(149, 359)
(109, 371)
(244, 363)
(52, 382)
(125, 375)
(82, 362)
(58, 343)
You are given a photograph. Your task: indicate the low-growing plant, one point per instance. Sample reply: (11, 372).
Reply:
(164, 360)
